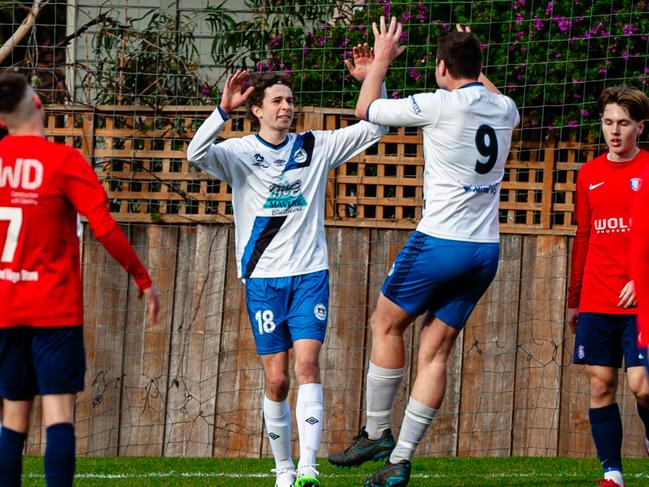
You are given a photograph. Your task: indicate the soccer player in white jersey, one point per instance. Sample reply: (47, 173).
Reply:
(278, 184)
(452, 257)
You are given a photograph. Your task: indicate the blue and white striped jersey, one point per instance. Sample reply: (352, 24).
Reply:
(467, 134)
(278, 192)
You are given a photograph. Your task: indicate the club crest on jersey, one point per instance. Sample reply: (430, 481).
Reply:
(279, 162)
(320, 311)
(259, 161)
(635, 183)
(300, 156)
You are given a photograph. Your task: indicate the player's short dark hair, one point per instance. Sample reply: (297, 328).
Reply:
(261, 81)
(629, 97)
(461, 54)
(12, 90)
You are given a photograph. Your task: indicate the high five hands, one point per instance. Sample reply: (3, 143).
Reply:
(233, 97)
(386, 41)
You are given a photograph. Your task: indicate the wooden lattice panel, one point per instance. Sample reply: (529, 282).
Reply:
(139, 155)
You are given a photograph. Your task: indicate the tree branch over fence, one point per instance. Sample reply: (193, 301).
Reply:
(22, 31)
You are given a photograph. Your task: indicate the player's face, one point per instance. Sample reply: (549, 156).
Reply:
(620, 131)
(276, 111)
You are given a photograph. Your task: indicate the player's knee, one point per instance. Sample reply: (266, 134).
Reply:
(307, 370)
(277, 386)
(380, 325)
(601, 388)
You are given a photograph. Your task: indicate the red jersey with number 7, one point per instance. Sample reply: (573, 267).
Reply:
(601, 254)
(42, 187)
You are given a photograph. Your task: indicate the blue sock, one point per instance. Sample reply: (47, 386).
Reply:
(644, 416)
(11, 457)
(606, 427)
(60, 455)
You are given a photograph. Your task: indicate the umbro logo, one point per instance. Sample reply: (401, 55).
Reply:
(273, 436)
(311, 420)
(596, 185)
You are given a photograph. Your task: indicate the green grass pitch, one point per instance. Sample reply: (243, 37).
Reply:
(473, 472)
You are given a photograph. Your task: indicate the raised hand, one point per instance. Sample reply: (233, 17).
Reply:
(459, 28)
(363, 57)
(386, 41)
(233, 97)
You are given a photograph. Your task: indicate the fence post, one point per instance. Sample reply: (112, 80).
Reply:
(550, 147)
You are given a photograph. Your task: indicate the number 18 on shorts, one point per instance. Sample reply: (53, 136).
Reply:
(285, 309)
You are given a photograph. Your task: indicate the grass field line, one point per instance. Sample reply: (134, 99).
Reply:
(438, 476)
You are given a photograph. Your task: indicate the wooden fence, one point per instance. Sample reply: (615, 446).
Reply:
(192, 384)
(140, 155)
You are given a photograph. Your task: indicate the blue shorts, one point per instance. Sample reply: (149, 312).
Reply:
(285, 309)
(444, 277)
(41, 361)
(603, 339)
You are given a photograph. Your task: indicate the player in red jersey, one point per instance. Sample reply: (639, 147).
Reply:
(601, 298)
(640, 258)
(42, 187)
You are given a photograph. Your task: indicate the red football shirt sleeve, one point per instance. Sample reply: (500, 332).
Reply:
(580, 244)
(81, 186)
(640, 257)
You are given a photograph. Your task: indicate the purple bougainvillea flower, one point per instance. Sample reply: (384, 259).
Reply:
(406, 17)
(395, 95)
(584, 113)
(519, 17)
(520, 33)
(259, 66)
(204, 90)
(403, 37)
(549, 7)
(538, 23)
(573, 124)
(629, 29)
(414, 74)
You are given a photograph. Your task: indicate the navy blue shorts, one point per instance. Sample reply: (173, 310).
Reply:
(285, 309)
(444, 277)
(603, 339)
(41, 361)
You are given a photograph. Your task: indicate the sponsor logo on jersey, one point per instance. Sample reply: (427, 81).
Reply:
(415, 107)
(279, 162)
(285, 195)
(635, 183)
(612, 225)
(20, 276)
(311, 420)
(491, 188)
(300, 156)
(273, 436)
(320, 311)
(595, 186)
(26, 174)
(259, 161)
(581, 352)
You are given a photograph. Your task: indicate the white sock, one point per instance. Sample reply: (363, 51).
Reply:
(615, 476)
(413, 428)
(309, 414)
(278, 425)
(382, 386)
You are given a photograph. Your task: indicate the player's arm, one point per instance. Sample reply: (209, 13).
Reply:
(386, 50)
(345, 143)
(579, 250)
(82, 188)
(482, 78)
(201, 150)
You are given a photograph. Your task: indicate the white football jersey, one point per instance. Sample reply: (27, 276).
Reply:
(278, 192)
(467, 135)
